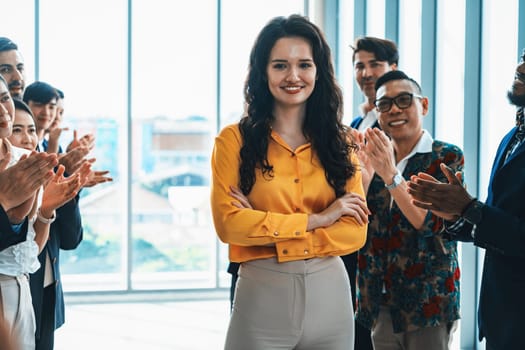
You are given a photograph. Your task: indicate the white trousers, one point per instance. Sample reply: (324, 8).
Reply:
(16, 308)
(300, 305)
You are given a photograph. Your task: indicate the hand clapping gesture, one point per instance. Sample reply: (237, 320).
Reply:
(380, 153)
(87, 141)
(53, 140)
(60, 190)
(446, 200)
(21, 181)
(367, 170)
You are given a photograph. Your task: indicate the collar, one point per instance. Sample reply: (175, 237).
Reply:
(520, 118)
(368, 120)
(424, 145)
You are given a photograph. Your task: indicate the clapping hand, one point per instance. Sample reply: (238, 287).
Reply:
(87, 141)
(20, 182)
(446, 200)
(367, 170)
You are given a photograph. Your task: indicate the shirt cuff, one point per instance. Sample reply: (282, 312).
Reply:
(454, 227)
(17, 227)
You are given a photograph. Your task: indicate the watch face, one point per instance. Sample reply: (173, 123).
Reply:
(398, 179)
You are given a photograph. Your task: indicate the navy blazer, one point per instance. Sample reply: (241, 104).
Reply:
(65, 233)
(8, 236)
(502, 233)
(358, 120)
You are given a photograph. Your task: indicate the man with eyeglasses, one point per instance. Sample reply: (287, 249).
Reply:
(372, 57)
(497, 225)
(408, 272)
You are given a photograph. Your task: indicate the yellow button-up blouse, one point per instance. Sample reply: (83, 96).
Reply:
(276, 226)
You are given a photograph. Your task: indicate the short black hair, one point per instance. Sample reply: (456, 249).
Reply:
(40, 92)
(396, 75)
(7, 44)
(383, 49)
(19, 104)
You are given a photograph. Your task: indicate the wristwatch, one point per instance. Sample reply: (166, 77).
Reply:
(473, 212)
(396, 181)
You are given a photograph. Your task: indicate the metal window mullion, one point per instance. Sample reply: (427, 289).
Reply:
(128, 250)
(360, 13)
(471, 148)
(392, 20)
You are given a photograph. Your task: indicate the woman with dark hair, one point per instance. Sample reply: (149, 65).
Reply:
(287, 197)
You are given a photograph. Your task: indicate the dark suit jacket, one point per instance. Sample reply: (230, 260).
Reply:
(65, 233)
(358, 120)
(502, 233)
(8, 237)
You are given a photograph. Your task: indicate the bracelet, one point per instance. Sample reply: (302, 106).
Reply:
(44, 220)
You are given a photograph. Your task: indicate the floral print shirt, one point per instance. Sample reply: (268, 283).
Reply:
(415, 273)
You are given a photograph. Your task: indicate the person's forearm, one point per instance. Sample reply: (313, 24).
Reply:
(44, 218)
(416, 216)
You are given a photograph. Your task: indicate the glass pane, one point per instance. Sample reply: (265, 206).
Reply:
(500, 29)
(238, 34)
(174, 74)
(450, 72)
(17, 13)
(88, 63)
(375, 18)
(410, 38)
(345, 74)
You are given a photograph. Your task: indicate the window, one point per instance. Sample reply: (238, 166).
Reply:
(410, 38)
(151, 227)
(90, 68)
(450, 72)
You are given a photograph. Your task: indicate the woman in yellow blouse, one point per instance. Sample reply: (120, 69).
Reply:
(287, 197)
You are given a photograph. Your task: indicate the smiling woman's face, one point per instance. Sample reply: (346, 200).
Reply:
(7, 111)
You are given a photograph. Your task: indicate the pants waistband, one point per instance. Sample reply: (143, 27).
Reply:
(9, 278)
(294, 267)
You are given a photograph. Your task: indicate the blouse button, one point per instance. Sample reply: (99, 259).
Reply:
(276, 233)
(296, 180)
(297, 233)
(306, 251)
(285, 251)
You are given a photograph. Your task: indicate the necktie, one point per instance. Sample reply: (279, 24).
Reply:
(520, 133)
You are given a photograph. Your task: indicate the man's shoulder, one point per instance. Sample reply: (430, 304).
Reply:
(445, 147)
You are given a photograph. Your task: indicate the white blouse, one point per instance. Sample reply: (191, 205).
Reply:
(20, 258)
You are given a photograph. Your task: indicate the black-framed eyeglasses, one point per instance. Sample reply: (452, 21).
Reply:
(520, 76)
(402, 101)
